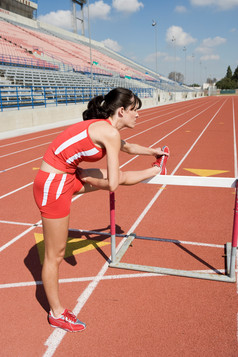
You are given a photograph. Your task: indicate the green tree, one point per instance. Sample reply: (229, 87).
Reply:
(226, 83)
(229, 72)
(235, 76)
(229, 81)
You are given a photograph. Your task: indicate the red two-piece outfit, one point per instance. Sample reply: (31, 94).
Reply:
(53, 192)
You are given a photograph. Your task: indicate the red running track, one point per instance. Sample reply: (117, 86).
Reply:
(128, 313)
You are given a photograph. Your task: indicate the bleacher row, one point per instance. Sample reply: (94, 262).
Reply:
(32, 87)
(26, 42)
(40, 77)
(33, 57)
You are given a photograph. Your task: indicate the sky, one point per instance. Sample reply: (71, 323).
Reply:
(197, 38)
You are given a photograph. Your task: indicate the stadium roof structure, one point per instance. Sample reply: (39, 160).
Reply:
(25, 8)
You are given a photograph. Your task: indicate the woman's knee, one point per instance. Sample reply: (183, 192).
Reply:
(122, 178)
(55, 255)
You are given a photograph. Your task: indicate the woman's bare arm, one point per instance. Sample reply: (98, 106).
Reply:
(135, 149)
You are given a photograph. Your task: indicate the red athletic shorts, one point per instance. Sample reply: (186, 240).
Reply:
(53, 193)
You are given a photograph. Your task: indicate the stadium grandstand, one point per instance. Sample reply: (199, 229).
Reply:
(42, 66)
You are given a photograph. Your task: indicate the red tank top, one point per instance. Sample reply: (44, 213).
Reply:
(73, 146)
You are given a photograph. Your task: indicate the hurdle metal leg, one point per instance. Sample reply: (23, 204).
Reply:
(234, 238)
(113, 226)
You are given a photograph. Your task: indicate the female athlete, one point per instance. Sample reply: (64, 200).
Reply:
(59, 178)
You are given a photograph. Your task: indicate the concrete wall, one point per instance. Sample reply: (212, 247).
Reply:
(18, 18)
(19, 122)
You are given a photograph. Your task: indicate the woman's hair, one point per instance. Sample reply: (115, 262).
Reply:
(102, 107)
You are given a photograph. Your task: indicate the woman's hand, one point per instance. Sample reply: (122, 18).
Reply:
(160, 152)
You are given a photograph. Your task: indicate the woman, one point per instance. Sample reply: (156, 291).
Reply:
(59, 178)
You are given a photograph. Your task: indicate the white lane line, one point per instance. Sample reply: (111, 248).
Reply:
(166, 121)
(20, 223)
(234, 140)
(25, 284)
(18, 189)
(77, 280)
(32, 147)
(200, 244)
(26, 231)
(18, 237)
(161, 114)
(164, 137)
(22, 164)
(57, 336)
(33, 138)
(198, 138)
(150, 204)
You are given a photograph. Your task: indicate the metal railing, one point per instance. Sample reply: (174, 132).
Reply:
(34, 96)
(18, 61)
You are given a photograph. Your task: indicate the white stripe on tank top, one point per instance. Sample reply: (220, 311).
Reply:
(90, 152)
(71, 141)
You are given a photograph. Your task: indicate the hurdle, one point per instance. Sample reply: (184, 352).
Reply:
(231, 247)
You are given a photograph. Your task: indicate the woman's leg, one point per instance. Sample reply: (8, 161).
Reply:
(134, 177)
(126, 177)
(55, 236)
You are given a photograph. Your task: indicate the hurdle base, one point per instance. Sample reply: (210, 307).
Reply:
(166, 271)
(175, 272)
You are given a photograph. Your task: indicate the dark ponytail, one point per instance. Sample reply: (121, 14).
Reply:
(102, 107)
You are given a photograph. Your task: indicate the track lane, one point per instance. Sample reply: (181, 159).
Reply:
(112, 299)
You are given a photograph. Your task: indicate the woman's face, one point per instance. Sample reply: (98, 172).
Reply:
(131, 114)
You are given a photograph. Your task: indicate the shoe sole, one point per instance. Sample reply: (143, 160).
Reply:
(65, 329)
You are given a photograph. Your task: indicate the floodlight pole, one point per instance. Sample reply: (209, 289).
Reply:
(154, 24)
(174, 40)
(193, 68)
(185, 61)
(75, 18)
(82, 20)
(90, 51)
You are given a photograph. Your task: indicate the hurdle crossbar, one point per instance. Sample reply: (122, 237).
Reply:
(218, 182)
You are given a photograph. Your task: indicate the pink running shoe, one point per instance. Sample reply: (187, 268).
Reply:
(67, 321)
(161, 161)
